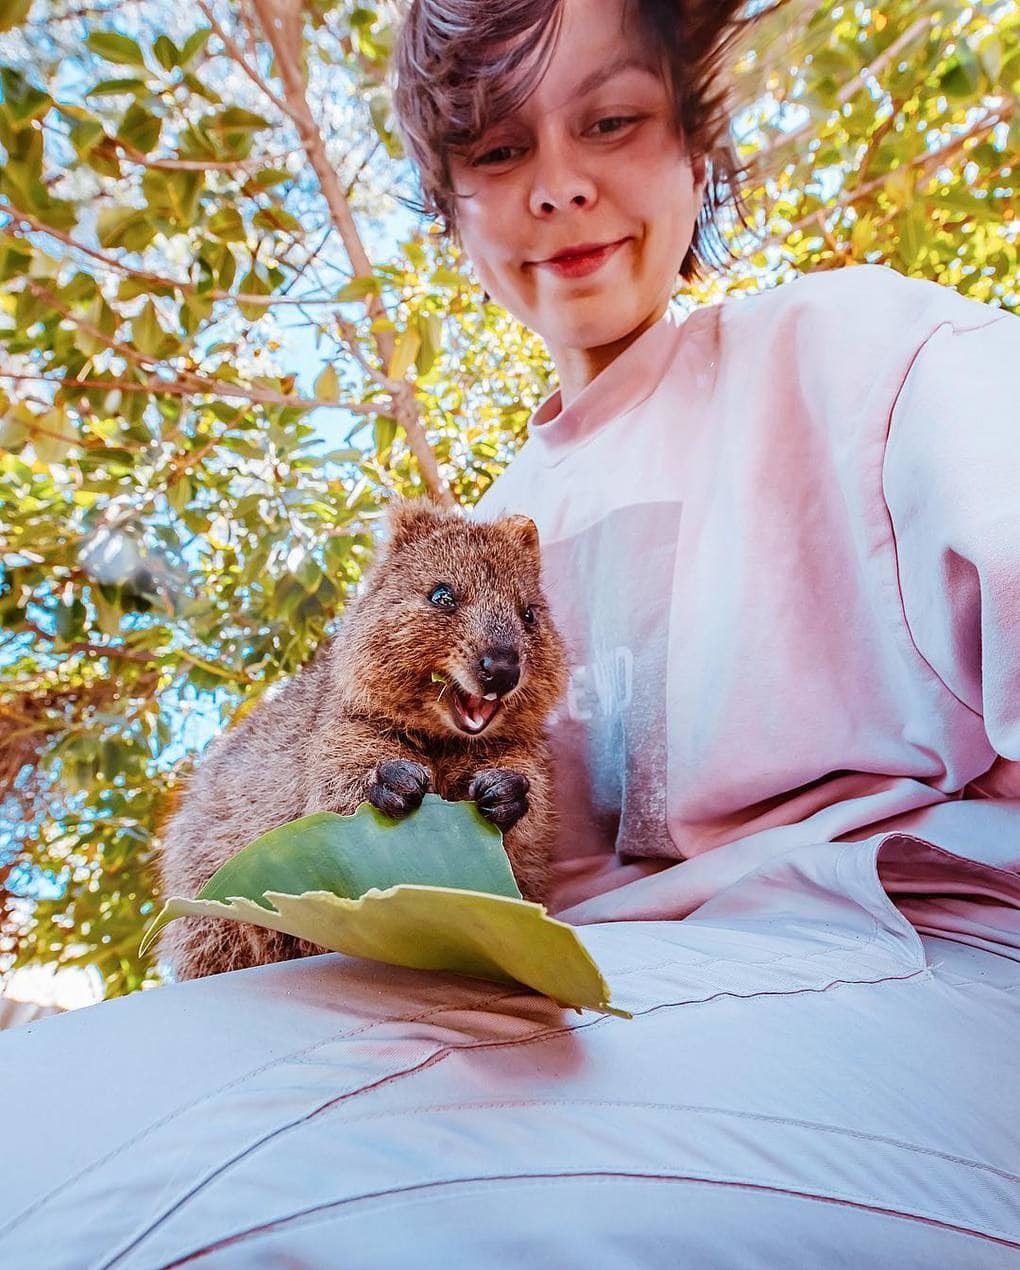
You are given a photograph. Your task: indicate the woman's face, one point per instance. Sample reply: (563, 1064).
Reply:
(577, 212)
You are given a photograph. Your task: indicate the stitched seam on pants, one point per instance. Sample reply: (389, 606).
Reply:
(609, 1178)
(437, 1056)
(699, 1108)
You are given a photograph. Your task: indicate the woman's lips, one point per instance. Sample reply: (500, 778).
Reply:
(580, 264)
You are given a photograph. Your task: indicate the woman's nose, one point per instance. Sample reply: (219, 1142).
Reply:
(559, 183)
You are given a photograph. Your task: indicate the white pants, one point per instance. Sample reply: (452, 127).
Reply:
(780, 1099)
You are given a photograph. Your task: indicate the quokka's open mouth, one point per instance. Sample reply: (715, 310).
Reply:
(472, 714)
(469, 712)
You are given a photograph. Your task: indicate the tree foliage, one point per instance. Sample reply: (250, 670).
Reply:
(225, 344)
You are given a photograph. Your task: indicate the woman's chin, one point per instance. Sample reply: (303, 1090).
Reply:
(582, 324)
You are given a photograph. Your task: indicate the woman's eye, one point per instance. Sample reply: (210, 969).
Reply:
(529, 617)
(443, 598)
(612, 123)
(498, 154)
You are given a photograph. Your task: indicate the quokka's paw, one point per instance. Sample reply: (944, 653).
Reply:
(500, 795)
(397, 786)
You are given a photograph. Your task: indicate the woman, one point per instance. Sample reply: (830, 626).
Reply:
(783, 540)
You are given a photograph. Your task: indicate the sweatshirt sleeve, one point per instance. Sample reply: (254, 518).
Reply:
(952, 487)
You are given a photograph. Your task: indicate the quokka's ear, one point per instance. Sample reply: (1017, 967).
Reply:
(410, 519)
(522, 532)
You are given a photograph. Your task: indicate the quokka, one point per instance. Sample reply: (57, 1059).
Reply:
(441, 679)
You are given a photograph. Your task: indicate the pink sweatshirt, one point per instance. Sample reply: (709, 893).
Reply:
(782, 540)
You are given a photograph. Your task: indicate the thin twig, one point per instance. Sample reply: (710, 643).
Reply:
(85, 646)
(174, 388)
(235, 53)
(789, 138)
(153, 279)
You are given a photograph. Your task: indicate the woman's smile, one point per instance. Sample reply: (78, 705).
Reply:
(580, 261)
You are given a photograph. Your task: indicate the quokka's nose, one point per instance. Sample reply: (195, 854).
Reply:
(499, 669)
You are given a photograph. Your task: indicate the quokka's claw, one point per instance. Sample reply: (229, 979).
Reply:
(398, 786)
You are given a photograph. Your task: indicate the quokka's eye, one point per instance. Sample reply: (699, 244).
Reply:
(529, 617)
(443, 598)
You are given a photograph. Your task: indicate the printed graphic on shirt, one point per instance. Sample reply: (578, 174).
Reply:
(610, 589)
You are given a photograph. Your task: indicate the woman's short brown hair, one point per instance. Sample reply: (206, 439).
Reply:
(464, 65)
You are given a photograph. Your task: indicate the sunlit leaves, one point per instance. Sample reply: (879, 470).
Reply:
(140, 128)
(911, 108)
(115, 47)
(126, 227)
(882, 134)
(405, 350)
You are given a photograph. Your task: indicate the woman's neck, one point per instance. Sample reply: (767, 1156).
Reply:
(577, 367)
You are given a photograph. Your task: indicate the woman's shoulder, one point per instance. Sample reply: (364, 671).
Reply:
(872, 300)
(843, 335)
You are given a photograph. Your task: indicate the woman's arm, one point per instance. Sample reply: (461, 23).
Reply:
(952, 486)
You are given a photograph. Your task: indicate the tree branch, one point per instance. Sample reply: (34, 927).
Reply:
(234, 52)
(153, 279)
(85, 646)
(281, 22)
(785, 140)
(922, 162)
(176, 388)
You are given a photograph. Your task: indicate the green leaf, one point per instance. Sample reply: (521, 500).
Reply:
(404, 352)
(194, 44)
(433, 891)
(149, 336)
(193, 312)
(22, 101)
(357, 289)
(384, 431)
(178, 493)
(379, 112)
(327, 385)
(52, 437)
(228, 225)
(308, 573)
(202, 89)
(13, 13)
(115, 47)
(430, 331)
(84, 134)
(235, 119)
(13, 432)
(172, 195)
(271, 176)
(277, 219)
(126, 227)
(111, 87)
(448, 279)
(253, 284)
(962, 77)
(167, 53)
(140, 128)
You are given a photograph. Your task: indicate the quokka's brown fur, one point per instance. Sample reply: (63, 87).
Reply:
(368, 699)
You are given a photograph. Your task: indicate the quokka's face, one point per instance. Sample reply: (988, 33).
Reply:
(460, 634)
